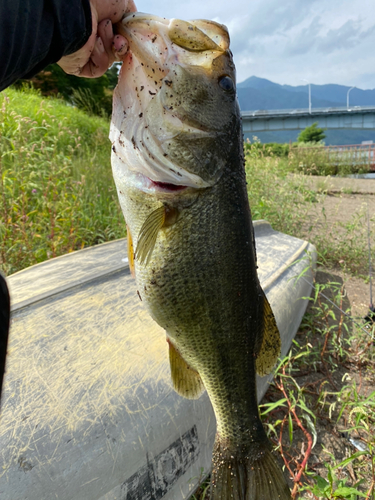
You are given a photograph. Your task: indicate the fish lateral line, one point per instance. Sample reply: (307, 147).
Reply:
(163, 216)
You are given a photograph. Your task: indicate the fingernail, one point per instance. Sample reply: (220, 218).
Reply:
(119, 44)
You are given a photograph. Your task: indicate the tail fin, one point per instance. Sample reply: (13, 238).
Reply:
(251, 475)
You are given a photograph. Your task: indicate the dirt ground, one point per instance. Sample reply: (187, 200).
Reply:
(347, 200)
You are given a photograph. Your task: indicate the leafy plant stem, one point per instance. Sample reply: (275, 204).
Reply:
(297, 478)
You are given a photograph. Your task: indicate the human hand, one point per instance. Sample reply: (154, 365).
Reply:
(103, 47)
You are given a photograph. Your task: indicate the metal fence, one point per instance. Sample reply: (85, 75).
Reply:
(355, 154)
(352, 158)
(303, 111)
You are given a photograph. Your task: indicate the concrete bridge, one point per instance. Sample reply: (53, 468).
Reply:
(356, 117)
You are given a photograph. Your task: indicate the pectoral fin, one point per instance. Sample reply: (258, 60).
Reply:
(186, 381)
(163, 216)
(130, 252)
(271, 345)
(148, 234)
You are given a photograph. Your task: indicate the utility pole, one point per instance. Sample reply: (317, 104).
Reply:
(308, 83)
(347, 98)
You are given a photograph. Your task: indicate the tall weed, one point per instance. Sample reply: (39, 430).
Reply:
(321, 418)
(312, 159)
(56, 189)
(287, 201)
(275, 195)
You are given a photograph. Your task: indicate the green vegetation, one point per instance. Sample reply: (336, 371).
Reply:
(287, 201)
(269, 149)
(320, 409)
(312, 134)
(309, 156)
(56, 188)
(93, 95)
(325, 385)
(312, 158)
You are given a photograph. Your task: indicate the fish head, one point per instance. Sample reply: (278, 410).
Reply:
(175, 111)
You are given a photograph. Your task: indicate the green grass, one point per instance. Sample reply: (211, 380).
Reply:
(56, 188)
(276, 195)
(325, 386)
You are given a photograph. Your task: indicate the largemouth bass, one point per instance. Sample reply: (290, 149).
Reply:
(178, 163)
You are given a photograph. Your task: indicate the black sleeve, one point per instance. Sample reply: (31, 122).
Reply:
(35, 33)
(4, 325)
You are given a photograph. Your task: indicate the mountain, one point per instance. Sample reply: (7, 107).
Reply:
(337, 94)
(257, 83)
(278, 98)
(260, 94)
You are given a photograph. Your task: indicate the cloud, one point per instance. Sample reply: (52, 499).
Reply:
(272, 16)
(306, 39)
(323, 41)
(348, 36)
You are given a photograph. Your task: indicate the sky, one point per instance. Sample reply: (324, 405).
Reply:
(286, 41)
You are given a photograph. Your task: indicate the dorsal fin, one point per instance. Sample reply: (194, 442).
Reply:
(186, 381)
(148, 234)
(271, 344)
(130, 252)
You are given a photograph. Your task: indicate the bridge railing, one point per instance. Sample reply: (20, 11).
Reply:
(302, 111)
(332, 160)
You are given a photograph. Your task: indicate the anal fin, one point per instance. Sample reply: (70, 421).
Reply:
(271, 344)
(186, 381)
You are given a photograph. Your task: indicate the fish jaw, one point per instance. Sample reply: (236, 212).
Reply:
(157, 131)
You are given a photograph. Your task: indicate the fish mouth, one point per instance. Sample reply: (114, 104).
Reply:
(141, 182)
(167, 187)
(151, 37)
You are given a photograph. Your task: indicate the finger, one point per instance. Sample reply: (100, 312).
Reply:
(119, 44)
(90, 70)
(131, 7)
(105, 32)
(98, 62)
(119, 47)
(99, 57)
(115, 46)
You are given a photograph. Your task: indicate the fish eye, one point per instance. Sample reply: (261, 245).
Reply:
(226, 83)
